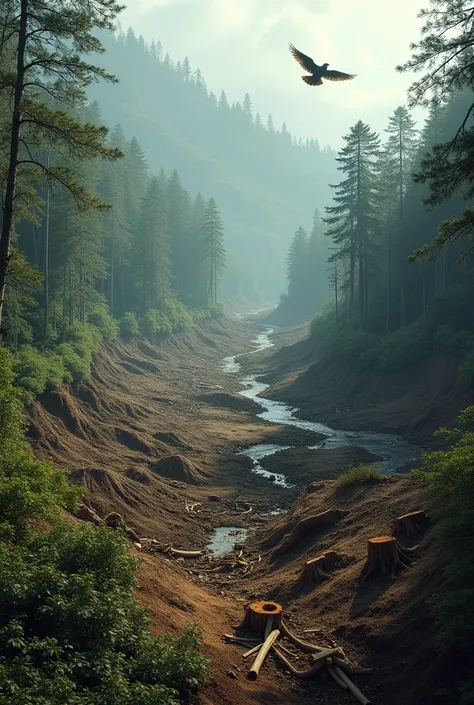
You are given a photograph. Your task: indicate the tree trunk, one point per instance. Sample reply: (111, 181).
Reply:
(410, 526)
(15, 130)
(385, 556)
(258, 614)
(46, 265)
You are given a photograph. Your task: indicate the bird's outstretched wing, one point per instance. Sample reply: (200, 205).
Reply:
(338, 76)
(304, 61)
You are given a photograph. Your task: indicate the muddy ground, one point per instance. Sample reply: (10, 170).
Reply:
(158, 429)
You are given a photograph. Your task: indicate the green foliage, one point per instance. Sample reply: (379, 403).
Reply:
(72, 631)
(449, 479)
(35, 370)
(129, 326)
(177, 314)
(106, 324)
(405, 346)
(30, 489)
(154, 324)
(360, 475)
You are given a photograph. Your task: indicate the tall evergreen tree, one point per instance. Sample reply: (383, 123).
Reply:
(49, 40)
(296, 271)
(352, 222)
(213, 236)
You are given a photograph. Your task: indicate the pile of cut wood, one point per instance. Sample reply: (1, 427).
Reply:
(263, 630)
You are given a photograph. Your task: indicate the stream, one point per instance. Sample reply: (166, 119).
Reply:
(395, 453)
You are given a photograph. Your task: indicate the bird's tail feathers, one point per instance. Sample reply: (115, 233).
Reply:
(312, 80)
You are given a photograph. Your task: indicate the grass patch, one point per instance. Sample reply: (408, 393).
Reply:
(360, 475)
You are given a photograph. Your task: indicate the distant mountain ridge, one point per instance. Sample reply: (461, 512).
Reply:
(264, 182)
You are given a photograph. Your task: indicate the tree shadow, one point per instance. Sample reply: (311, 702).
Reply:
(367, 593)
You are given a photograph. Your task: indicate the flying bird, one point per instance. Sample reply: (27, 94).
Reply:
(317, 72)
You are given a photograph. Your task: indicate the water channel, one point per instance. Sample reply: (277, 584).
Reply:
(395, 453)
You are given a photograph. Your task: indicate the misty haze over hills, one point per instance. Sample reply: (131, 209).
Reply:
(265, 182)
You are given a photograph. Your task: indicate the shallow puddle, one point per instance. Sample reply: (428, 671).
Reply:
(225, 538)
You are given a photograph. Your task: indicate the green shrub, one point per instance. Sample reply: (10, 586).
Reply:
(36, 370)
(106, 324)
(177, 314)
(405, 346)
(129, 327)
(153, 324)
(72, 632)
(449, 479)
(78, 367)
(359, 475)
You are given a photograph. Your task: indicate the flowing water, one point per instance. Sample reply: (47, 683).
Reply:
(395, 453)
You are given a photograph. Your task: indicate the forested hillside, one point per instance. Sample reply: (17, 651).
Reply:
(263, 179)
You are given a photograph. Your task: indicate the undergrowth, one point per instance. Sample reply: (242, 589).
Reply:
(359, 475)
(68, 353)
(449, 480)
(71, 629)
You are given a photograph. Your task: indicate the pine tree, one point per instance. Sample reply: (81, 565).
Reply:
(352, 222)
(258, 120)
(247, 106)
(223, 103)
(179, 220)
(213, 236)
(270, 124)
(153, 249)
(296, 272)
(187, 70)
(50, 39)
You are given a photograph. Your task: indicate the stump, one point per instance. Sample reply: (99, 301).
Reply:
(385, 556)
(410, 526)
(261, 616)
(317, 569)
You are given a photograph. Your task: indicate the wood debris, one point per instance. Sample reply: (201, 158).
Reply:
(265, 629)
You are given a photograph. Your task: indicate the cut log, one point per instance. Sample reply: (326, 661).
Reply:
(351, 668)
(303, 645)
(306, 525)
(385, 557)
(307, 673)
(252, 651)
(317, 569)
(262, 654)
(409, 526)
(183, 554)
(336, 678)
(257, 614)
(87, 514)
(352, 686)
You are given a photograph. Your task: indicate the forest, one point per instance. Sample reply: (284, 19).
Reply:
(122, 220)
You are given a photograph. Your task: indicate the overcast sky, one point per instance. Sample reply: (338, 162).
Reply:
(242, 45)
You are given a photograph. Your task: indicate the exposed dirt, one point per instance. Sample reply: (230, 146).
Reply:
(157, 430)
(412, 403)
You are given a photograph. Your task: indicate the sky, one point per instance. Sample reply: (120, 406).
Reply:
(242, 46)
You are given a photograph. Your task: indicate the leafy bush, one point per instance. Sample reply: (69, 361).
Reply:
(359, 475)
(30, 489)
(129, 327)
(449, 479)
(35, 370)
(72, 632)
(177, 314)
(405, 346)
(102, 319)
(153, 324)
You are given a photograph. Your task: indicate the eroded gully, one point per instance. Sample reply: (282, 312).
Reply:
(395, 453)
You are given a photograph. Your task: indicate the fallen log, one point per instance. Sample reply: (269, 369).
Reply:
(252, 650)
(182, 553)
(336, 678)
(303, 645)
(351, 668)
(352, 687)
(307, 673)
(262, 654)
(325, 518)
(410, 526)
(384, 556)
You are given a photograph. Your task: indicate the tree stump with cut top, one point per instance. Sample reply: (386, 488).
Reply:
(317, 569)
(261, 617)
(385, 557)
(409, 526)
